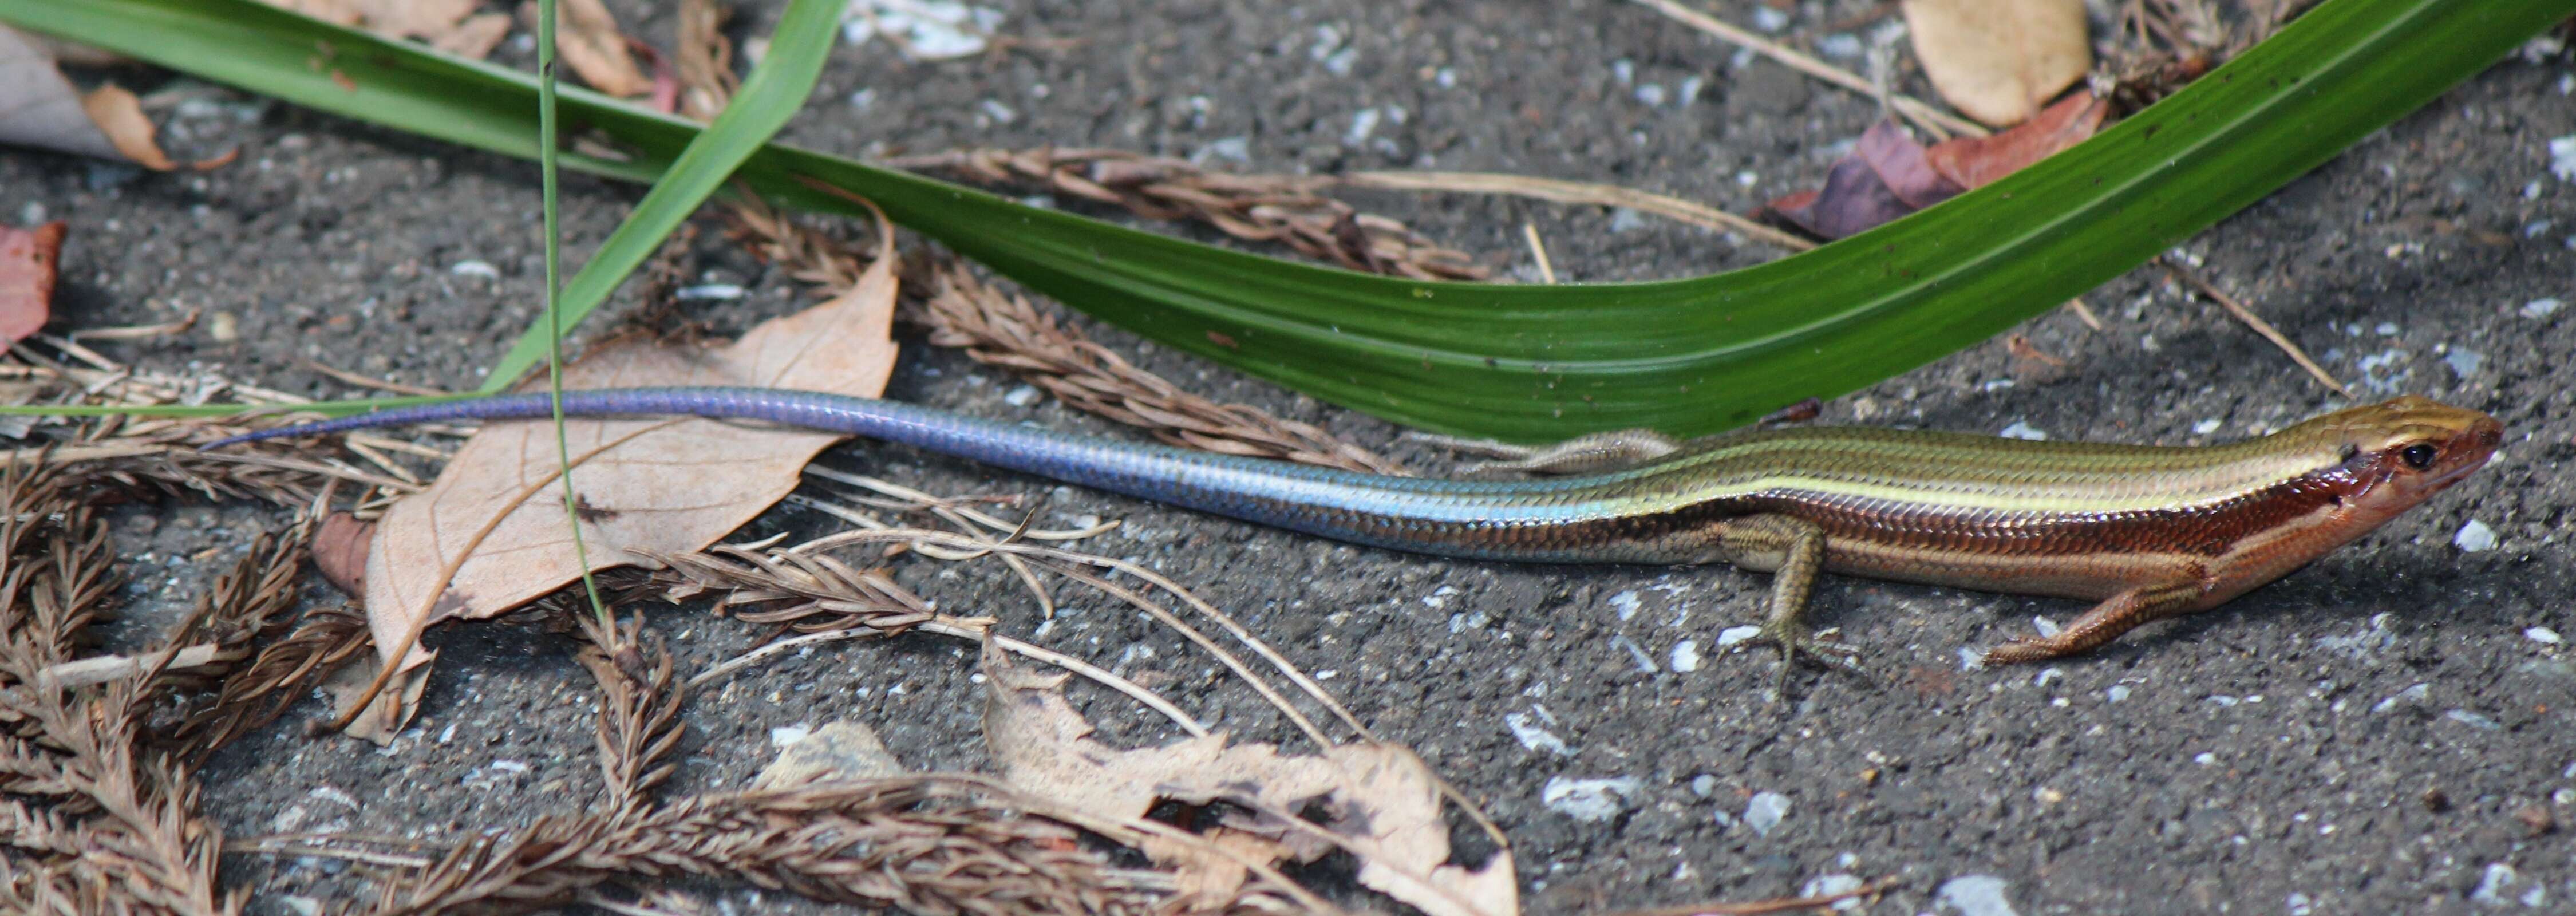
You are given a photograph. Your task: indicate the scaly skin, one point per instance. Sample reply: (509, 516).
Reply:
(2147, 531)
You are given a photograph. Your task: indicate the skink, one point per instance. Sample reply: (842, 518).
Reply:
(2149, 532)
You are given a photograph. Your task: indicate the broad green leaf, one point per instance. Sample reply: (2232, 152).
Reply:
(1529, 363)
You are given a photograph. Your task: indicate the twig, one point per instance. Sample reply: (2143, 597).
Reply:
(1760, 907)
(139, 331)
(347, 377)
(1538, 250)
(1577, 192)
(2256, 322)
(2084, 313)
(1923, 114)
(1095, 673)
(100, 669)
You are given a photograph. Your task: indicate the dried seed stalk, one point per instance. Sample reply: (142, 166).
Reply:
(639, 712)
(931, 845)
(111, 827)
(1267, 208)
(284, 672)
(1009, 331)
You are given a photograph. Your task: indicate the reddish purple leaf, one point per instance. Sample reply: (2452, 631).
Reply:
(1885, 177)
(1975, 162)
(28, 258)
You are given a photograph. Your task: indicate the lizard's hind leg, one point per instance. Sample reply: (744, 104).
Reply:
(1793, 551)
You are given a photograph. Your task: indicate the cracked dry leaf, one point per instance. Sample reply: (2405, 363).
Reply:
(1381, 802)
(1997, 60)
(489, 533)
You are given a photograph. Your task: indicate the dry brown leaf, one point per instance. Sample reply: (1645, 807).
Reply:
(389, 712)
(1974, 162)
(475, 37)
(39, 108)
(591, 44)
(29, 261)
(335, 12)
(839, 751)
(1382, 803)
(340, 552)
(120, 115)
(489, 533)
(415, 18)
(1997, 60)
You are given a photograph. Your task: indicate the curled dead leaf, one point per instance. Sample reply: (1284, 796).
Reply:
(1380, 802)
(1997, 60)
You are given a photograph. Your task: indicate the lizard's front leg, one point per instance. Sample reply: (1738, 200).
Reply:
(1793, 551)
(2105, 622)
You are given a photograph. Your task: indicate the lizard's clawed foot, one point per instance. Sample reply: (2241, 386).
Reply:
(2021, 649)
(1823, 649)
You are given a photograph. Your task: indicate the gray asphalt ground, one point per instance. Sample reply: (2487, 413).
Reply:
(2387, 731)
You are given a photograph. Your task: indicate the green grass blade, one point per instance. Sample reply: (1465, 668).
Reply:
(774, 91)
(1528, 363)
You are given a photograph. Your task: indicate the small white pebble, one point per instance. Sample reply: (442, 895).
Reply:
(2542, 635)
(509, 766)
(2047, 628)
(2474, 537)
(1732, 635)
(2416, 694)
(1978, 895)
(485, 270)
(1625, 603)
(2205, 427)
(1588, 799)
(2204, 758)
(785, 735)
(709, 291)
(1765, 811)
(2386, 329)
(2540, 308)
(1534, 736)
(2116, 692)
(1769, 20)
(2021, 429)
(2473, 720)
(1686, 655)
(1021, 396)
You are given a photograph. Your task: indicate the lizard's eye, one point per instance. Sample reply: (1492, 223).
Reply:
(2419, 455)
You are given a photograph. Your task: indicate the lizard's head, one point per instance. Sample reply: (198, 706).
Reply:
(2394, 454)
